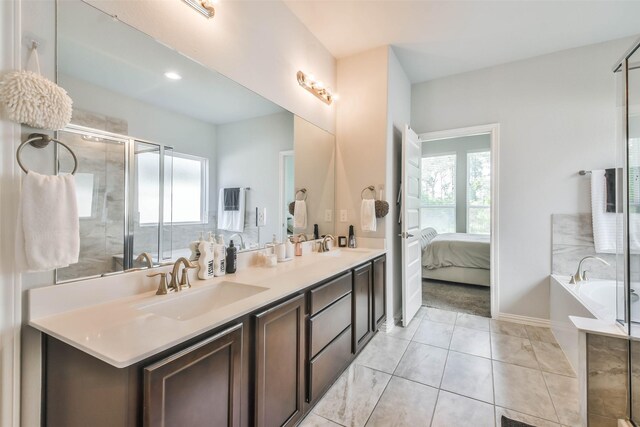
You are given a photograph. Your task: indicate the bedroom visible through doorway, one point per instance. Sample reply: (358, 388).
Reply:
(456, 219)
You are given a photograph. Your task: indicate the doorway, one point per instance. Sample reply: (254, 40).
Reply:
(458, 219)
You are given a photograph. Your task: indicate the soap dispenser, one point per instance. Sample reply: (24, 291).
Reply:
(206, 260)
(352, 237)
(231, 258)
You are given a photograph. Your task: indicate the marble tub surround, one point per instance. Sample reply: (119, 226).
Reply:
(102, 317)
(454, 384)
(607, 379)
(572, 240)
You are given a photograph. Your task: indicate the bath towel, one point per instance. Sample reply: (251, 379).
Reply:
(48, 228)
(368, 215)
(300, 214)
(604, 223)
(231, 199)
(231, 220)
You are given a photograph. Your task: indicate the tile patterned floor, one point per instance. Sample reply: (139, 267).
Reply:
(454, 369)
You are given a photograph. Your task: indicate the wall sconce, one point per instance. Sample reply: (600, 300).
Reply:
(315, 88)
(205, 7)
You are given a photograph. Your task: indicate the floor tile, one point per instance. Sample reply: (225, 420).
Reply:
(473, 322)
(454, 410)
(537, 333)
(404, 403)
(523, 390)
(423, 363)
(523, 418)
(405, 333)
(469, 376)
(434, 333)
(314, 420)
(508, 328)
(564, 393)
(439, 315)
(471, 341)
(518, 351)
(421, 312)
(552, 359)
(383, 353)
(351, 400)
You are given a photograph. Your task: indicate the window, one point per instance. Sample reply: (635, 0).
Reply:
(438, 193)
(479, 192)
(185, 188)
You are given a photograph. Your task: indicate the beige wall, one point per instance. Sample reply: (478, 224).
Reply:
(557, 115)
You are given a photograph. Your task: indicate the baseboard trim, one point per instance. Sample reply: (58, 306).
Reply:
(526, 320)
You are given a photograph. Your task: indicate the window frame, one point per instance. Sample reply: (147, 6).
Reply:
(467, 204)
(453, 206)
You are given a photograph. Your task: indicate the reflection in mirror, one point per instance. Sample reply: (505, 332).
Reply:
(196, 154)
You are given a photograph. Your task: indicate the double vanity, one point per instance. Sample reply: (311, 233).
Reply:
(259, 347)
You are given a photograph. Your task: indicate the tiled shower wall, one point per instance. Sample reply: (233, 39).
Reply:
(572, 240)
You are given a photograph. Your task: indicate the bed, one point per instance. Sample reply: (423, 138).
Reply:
(456, 257)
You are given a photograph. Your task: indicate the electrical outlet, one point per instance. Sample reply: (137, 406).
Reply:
(327, 215)
(261, 217)
(343, 215)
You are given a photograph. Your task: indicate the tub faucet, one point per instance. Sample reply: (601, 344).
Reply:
(581, 275)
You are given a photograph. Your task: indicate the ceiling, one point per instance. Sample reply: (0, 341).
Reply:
(439, 38)
(105, 52)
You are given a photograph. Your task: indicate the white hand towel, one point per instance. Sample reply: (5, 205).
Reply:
(231, 220)
(48, 228)
(300, 214)
(368, 215)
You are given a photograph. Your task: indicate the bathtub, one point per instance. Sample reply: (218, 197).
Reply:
(594, 299)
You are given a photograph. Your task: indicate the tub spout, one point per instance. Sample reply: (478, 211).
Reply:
(581, 275)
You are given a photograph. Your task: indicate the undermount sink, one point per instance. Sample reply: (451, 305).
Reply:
(191, 303)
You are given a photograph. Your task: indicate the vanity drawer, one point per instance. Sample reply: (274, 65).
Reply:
(322, 296)
(327, 365)
(324, 327)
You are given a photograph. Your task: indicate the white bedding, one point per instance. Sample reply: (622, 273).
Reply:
(457, 250)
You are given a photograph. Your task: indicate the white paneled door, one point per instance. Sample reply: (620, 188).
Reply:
(411, 254)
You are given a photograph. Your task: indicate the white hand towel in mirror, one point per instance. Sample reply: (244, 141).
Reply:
(48, 229)
(300, 214)
(231, 220)
(368, 215)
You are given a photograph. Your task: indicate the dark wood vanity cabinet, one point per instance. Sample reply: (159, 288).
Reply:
(379, 291)
(362, 314)
(279, 364)
(266, 368)
(199, 386)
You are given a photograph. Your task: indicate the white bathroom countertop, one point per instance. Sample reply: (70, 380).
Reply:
(103, 317)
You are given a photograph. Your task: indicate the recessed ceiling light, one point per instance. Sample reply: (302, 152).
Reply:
(172, 75)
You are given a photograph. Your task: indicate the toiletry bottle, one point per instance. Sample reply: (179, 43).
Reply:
(352, 237)
(195, 248)
(231, 258)
(219, 260)
(206, 260)
(316, 234)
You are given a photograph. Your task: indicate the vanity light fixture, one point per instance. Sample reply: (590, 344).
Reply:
(315, 87)
(205, 7)
(172, 75)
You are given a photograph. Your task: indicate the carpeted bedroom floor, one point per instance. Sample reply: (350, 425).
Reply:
(469, 299)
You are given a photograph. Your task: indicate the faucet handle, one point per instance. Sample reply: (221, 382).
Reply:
(184, 280)
(162, 286)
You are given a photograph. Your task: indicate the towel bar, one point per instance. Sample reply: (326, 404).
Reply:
(40, 140)
(370, 188)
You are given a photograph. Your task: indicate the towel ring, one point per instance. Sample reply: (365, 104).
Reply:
(304, 193)
(40, 140)
(369, 188)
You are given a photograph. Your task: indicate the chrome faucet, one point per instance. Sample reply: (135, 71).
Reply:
(176, 285)
(323, 245)
(580, 275)
(241, 245)
(144, 256)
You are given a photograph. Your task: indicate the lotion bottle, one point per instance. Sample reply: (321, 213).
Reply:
(219, 255)
(206, 260)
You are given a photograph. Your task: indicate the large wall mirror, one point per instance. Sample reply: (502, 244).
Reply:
(170, 150)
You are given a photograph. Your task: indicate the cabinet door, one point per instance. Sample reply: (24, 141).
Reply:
(279, 364)
(362, 306)
(199, 386)
(379, 288)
